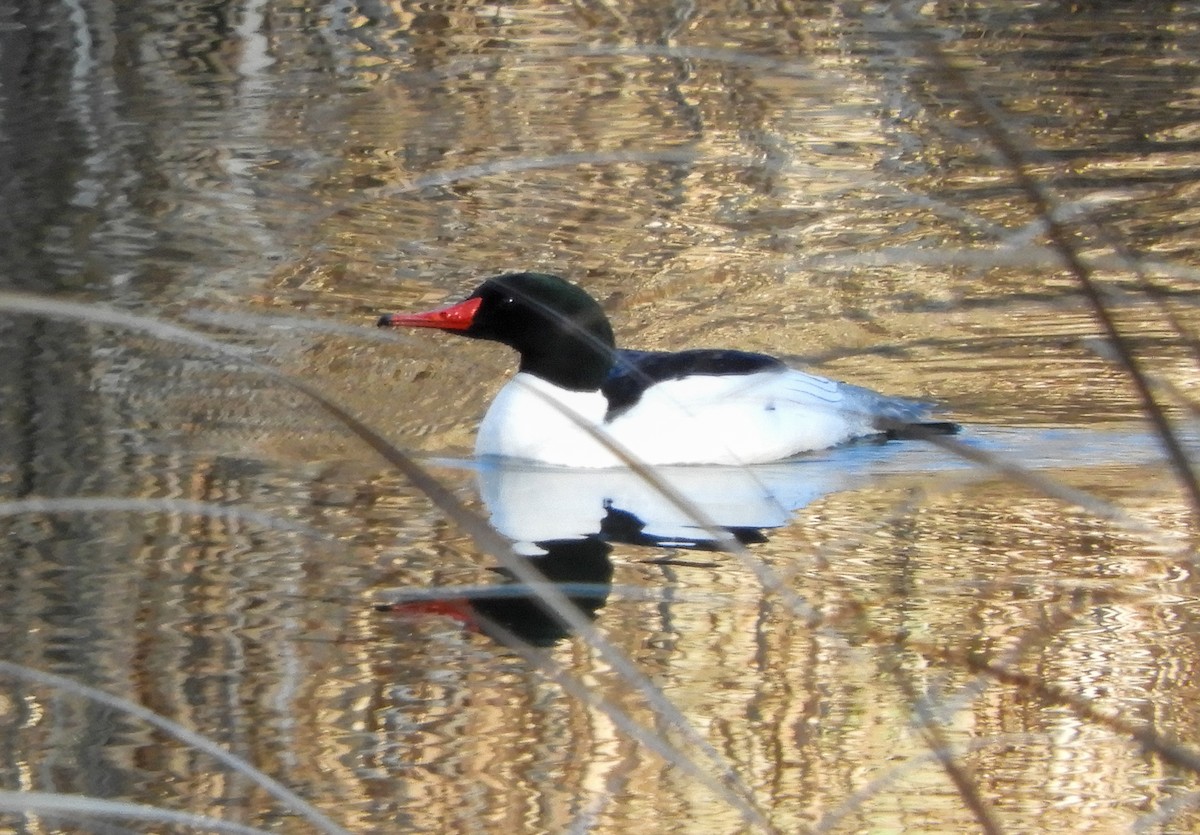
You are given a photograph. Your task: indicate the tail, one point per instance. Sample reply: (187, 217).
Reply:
(898, 418)
(919, 431)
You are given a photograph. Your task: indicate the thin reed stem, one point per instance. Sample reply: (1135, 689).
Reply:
(992, 122)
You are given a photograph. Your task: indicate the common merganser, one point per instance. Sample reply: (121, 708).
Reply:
(704, 406)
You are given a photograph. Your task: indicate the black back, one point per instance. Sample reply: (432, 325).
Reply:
(636, 371)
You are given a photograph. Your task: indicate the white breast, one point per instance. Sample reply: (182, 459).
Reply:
(537, 421)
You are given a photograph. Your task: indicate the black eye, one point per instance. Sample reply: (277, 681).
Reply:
(508, 301)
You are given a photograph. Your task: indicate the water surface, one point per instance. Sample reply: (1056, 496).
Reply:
(800, 180)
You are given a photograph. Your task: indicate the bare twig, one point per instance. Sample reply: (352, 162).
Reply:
(729, 784)
(270, 785)
(84, 809)
(992, 122)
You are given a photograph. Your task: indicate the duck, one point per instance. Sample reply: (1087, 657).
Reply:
(578, 401)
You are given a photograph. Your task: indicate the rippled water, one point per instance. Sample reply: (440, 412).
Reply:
(804, 180)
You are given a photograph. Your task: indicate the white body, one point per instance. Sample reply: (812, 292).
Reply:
(703, 419)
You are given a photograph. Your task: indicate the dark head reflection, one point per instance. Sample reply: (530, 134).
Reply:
(510, 611)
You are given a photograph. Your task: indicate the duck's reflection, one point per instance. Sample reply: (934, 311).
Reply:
(530, 504)
(566, 521)
(571, 518)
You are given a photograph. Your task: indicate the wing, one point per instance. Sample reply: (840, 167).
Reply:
(636, 371)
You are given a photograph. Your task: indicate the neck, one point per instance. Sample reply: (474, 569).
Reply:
(582, 367)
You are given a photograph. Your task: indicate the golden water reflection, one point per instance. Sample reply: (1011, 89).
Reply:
(795, 180)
